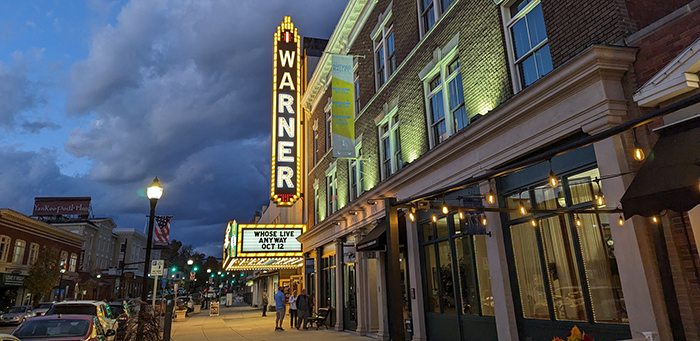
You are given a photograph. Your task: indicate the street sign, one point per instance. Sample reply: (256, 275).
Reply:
(157, 267)
(192, 274)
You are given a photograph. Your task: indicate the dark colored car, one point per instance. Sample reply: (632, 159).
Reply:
(63, 328)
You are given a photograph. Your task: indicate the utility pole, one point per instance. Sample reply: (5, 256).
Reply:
(121, 268)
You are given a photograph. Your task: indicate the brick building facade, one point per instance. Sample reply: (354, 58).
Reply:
(450, 91)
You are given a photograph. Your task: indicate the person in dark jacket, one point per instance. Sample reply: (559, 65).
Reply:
(302, 309)
(264, 304)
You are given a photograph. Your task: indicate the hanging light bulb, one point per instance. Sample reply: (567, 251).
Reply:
(461, 215)
(600, 197)
(434, 218)
(552, 176)
(412, 214)
(577, 220)
(620, 221)
(522, 208)
(445, 209)
(533, 222)
(638, 152)
(491, 197)
(483, 220)
(654, 219)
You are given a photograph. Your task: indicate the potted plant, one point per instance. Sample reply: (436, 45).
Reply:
(575, 335)
(197, 305)
(180, 313)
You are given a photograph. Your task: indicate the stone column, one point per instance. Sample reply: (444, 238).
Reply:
(506, 324)
(415, 275)
(362, 286)
(317, 294)
(633, 248)
(339, 294)
(383, 332)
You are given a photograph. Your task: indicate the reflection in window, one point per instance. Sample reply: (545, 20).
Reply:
(529, 271)
(467, 276)
(483, 275)
(513, 201)
(446, 282)
(562, 271)
(442, 227)
(428, 232)
(433, 279)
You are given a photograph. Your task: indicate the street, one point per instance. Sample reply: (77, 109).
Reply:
(7, 329)
(245, 323)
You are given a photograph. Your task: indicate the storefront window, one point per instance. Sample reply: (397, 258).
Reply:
(446, 281)
(428, 234)
(441, 227)
(467, 276)
(432, 278)
(327, 282)
(483, 275)
(552, 258)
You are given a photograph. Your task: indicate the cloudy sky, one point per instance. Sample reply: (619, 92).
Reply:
(99, 97)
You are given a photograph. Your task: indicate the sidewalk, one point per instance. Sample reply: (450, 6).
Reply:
(246, 323)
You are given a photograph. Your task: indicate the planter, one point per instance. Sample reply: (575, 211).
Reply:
(197, 309)
(180, 315)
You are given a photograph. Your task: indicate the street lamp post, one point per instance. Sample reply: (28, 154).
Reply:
(153, 192)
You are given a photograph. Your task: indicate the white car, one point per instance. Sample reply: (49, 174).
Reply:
(43, 308)
(8, 337)
(94, 308)
(17, 315)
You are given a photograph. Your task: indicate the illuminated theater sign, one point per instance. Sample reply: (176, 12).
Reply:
(262, 246)
(286, 137)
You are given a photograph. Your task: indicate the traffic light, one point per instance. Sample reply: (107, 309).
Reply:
(196, 268)
(173, 269)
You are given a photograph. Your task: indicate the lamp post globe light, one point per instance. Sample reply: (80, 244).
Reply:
(190, 262)
(153, 192)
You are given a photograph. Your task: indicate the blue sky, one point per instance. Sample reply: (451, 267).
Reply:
(98, 97)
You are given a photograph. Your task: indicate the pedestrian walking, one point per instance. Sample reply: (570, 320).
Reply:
(293, 309)
(264, 304)
(279, 305)
(302, 304)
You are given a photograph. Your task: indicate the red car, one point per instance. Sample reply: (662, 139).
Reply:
(63, 328)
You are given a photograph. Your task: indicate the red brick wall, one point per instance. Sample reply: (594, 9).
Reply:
(646, 12)
(30, 235)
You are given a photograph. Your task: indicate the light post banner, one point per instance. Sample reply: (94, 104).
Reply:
(343, 111)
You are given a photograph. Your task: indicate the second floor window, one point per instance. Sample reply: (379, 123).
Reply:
(4, 248)
(18, 255)
(73, 262)
(529, 48)
(445, 101)
(431, 11)
(358, 107)
(331, 193)
(356, 175)
(33, 253)
(315, 147)
(390, 146)
(317, 205)
(329, 131)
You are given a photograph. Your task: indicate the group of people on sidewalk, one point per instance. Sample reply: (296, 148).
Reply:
(299, 307)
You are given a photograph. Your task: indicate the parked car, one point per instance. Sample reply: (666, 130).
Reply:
(64, 328)
(43, 308)
(17, 315)
(119, 309)
(8, 337)
(94, 308)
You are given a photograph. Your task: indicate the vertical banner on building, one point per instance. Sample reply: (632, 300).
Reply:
(286, 117)
(343, 111)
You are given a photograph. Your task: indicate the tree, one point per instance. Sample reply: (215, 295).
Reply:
(43, 274)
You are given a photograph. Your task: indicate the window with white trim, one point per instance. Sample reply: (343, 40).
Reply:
(73, 262)
(64, 259)
(430, 11)
(356, 174)
(317, 205)
(356, 85)
(446, 112)
(329, 131)
(4, 248)
(18, 254)
(384, 52)
(33, 253)
(527, 43)
(390, 145)
(315, 147)
(331, 192)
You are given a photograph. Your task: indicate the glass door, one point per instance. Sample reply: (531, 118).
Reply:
(350, 299)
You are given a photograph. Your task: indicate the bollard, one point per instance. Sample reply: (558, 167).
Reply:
(168, 317)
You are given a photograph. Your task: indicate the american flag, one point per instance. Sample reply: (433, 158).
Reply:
(161, 233)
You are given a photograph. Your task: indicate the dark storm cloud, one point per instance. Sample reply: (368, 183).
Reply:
(181, 89)
(36, 126)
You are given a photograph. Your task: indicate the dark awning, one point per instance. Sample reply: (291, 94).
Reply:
(375, 240)
(668, 179)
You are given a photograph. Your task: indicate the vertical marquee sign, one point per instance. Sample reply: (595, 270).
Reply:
(286, 137)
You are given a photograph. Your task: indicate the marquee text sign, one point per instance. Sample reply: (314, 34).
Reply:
(286, 113)
(61, 206)
(271, 240)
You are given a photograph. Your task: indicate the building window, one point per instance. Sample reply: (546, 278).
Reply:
(327, 282)
(528, 45)
(356, 175)
(33, 253)
(384, 51)
(446, 111)
(390, 145)
(64, 259)
(4, 248)
(358, 108)
(315, 147)
(331, 192)
(431, 11)
(329, 131)
(73, 262)
(18, 254)
(317, 205)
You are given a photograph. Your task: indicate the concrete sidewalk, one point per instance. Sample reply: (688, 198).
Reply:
(246, 323)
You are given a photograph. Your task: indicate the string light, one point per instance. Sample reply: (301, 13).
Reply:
(621, 221)
(412, 214)
(491, 197)
(483, 220)
(577, 220)
(434, 218)
(552, 176)
(522, 208)
(533, 222)
(461, 215)
(638, 152)
(445, 209)
(654, 219)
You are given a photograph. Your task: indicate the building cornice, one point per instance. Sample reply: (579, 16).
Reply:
(19, 218)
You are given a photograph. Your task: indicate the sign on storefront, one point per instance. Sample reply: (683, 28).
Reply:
(11, 280)
(271, 240)
(309, 264)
